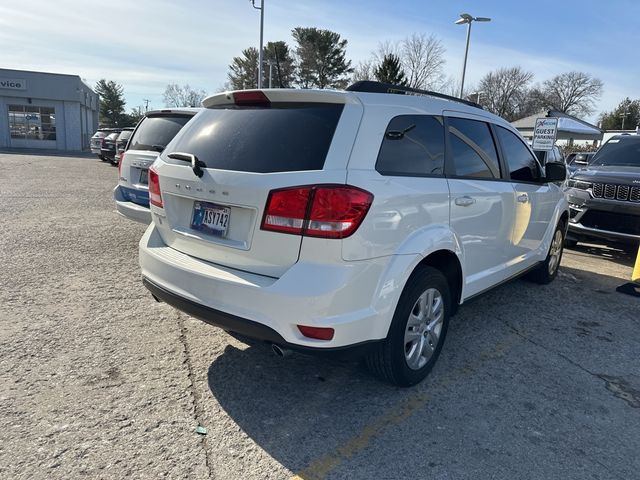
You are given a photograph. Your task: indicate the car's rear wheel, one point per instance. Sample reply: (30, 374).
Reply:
(417, 331)
(548, 270)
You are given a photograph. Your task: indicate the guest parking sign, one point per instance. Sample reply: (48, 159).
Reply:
(544, 134)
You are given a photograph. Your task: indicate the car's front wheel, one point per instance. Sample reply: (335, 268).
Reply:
(417, 331)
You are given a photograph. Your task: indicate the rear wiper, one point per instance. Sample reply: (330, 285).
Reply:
(398, 134)
(158, 148)
(196, 165)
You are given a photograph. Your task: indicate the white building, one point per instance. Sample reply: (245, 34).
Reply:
(46, 110)
(571, 130)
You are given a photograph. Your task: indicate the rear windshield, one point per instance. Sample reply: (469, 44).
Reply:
(155, 132)
(283, 137)
(125, 135)
(619, 151)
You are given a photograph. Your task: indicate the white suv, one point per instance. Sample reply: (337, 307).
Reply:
(152, 134)
(325, 221)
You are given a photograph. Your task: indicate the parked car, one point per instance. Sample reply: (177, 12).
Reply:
(605, 195)
(355, 221)
(553, 155)
(96, 141)
(121, 142)
(108, 146)
(149, 138)
(579, 160)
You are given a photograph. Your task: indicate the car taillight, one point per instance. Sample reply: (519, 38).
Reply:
(155, 197)
(326, 211)
(120, 164)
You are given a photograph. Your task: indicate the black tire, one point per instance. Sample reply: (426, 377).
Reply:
(103, 158)
(569, 243)
(388, 361)
(548, 271)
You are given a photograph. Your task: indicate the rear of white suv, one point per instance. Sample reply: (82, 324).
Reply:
(279, 215)
(150, 137)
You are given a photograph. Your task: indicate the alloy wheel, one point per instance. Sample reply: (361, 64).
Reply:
(423, 328)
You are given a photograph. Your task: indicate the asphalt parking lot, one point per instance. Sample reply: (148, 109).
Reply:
(99, 381)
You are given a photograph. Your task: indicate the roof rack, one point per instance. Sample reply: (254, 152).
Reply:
(369, 86)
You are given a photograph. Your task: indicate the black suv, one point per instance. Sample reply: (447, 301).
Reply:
(605, 195)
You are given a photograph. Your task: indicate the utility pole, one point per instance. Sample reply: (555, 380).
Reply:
(146, 105)
(624, 115)
(261, 8)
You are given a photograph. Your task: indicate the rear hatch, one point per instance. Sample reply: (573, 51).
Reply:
(150, 137)
(247, 149)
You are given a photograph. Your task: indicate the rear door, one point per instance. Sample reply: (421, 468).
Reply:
(482, 203)
(246, 152)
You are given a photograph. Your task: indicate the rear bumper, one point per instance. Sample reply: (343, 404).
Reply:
(340, 296)
(243, 326)
(96, 150)
(130, 210)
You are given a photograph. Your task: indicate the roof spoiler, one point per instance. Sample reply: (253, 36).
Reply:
(369, 86)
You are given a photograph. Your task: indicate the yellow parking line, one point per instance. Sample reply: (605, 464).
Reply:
(319, 468)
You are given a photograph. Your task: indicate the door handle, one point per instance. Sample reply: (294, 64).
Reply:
(524, 198)
(465, 201)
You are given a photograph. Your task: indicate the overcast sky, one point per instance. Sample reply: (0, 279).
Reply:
(146, 44)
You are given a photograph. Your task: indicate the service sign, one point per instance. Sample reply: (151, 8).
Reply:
(13, 83)
(544, 135)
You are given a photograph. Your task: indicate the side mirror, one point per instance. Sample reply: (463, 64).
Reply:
(555, 172)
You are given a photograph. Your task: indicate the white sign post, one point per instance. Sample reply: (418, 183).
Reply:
(544, 133)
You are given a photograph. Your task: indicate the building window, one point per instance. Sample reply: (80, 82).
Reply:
(30, 122)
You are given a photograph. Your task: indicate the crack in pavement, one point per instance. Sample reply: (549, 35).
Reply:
(617, 386)
(198, 412)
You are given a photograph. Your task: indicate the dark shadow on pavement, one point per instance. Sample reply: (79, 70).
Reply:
(499, 400)
(622, 255)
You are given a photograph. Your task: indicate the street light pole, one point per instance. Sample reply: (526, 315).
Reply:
(466, 54)
(468, 19)
(261, 8)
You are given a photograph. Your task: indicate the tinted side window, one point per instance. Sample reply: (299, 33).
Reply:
(156, 131)
(473, 150)
(412, 145)
(522, 165)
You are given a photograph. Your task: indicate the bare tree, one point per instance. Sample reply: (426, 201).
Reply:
(363, 71)
(573, 92)
(182, 96)
(504, 91)
(422, 61)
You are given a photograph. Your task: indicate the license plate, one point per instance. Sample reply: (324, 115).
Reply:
(144, 177)
(211, 218)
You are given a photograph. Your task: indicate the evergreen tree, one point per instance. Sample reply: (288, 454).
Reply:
(111, 103)
(321, 58)
(243, 70)
(629, 110)
(390, 71)
(283, 66)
